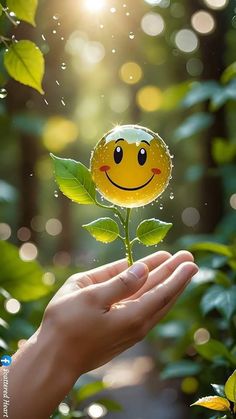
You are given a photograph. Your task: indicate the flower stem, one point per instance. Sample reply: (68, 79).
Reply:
(114, 209)
(128, 246)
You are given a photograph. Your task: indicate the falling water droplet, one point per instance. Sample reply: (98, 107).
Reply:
(45, 100)
(58, 24)
(127, 13)
(54, 31)
(161, 207)
(63, 66)
(3, 93)
(124, 5)
(131, 35)
(55, 17)
(31, 174)
(62, 38)
(172, 195)
(57, 82)
(101, 26)
(43, 37)
(113, 51)
(56, 194)
(112, 9)
(63, 102)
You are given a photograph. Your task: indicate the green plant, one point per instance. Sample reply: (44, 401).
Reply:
(224, 401)
(75, 181)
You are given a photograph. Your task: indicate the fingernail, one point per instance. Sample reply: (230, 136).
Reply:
(193, 269)
(139, 270)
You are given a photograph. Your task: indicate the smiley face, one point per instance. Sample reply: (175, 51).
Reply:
(131, 166)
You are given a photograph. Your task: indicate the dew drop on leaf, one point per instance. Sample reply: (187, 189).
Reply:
(172, 195)
(3, 93)
(56, 194)
(131, 35)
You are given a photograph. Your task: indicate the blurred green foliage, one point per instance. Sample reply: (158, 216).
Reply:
(190, 101)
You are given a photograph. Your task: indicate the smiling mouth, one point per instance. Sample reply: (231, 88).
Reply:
(129, 189)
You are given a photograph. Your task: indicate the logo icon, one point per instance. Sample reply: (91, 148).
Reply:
(6, 360)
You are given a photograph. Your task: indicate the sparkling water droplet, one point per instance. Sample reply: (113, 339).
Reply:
(124, 5)
(101, 26)
(57, 82)
(131, 35)
(63, 102)
(161, 207)
(172, 195)
(31, 174)
(127, 13)
(45, 100)
(3, 93)
(43, 37)
(58, 24)
(54, 31)
(56, 194)
(112, 9)
(63, 66)
(113, 51)
(62, 38)
(12, 14)
(55, 17)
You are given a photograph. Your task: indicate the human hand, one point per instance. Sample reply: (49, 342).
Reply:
(100, 313)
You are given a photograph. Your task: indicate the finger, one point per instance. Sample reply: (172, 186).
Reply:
(163, 271)
(159, 297)
(106, 272)
(121, 286)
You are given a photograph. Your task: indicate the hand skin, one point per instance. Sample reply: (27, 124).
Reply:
(92, 318)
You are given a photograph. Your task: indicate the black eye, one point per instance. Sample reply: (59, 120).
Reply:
(118, 154)
(142, 156)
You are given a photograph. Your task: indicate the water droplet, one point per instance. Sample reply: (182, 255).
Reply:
(54, 31)
(112, 9)
(161, 207)
(63, 66)
(58, 24)
(124, 5)
(31, 174)
(12, 14)
(3, 93)
(131, 35)
(62, 38)
(45, 100)
(113, 51)
(127, 13)
(55, 17)
(172, 195)
(101, 26)
(56, 194)
(63, 102)
(43, 37)
(57, 82)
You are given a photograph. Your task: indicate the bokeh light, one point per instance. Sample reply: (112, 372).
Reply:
(149, 98)
(189, 385)
(44, 168)
(53, 227)
(62, 258)
(216, 4)
(119, 100)
(131, 72)
(232, 201)
(93, 53)
(203, 22)
(64, 409)
(201, 336)
(96, 410)
(194, 67)
(190, 216)
(5, 231)
(37, 223)
(58, 132)
(152, 24)
(48, 278)
(24, 234)
(94, 6)
(28, 251)
(12, 305)
(186, 40)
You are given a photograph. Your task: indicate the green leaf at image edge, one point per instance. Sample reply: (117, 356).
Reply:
(152, 231)
(104, 229)
(24, 10)
(74, 180)
(230, 387)
(0, 9)
(25, 63)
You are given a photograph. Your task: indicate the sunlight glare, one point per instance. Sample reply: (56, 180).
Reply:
(94, 5)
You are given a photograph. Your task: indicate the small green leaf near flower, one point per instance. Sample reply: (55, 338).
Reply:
(74, 180)
(24, 9)
(230, 387)
(105, 229)
(152, 231)
(25, 63)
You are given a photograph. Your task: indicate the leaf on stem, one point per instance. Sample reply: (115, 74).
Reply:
(152, 231)
(105, 229)
(24, 10)
(214, 403)
(25, 63)
(230, 387)
(74, 180)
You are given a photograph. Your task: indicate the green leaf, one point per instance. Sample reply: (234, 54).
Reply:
(214, 403)
(224, 94)
(104, 229)
(180, 369)
(1, 9)
(152, 231)
(214, 349)
(25, 63)
(221, 299)
(23, 280)
(24, 9)
(223, 151)
(218, 248)
(89, 390)
(111, 405)
(200, 92)
(229, 73)
(230, 387)
(173, 95)
(219, 389)
(74, 180)
(193, 125)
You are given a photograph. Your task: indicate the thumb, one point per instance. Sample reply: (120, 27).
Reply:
(123, 285)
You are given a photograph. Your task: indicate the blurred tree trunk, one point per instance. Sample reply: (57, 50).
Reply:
(212, 49)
